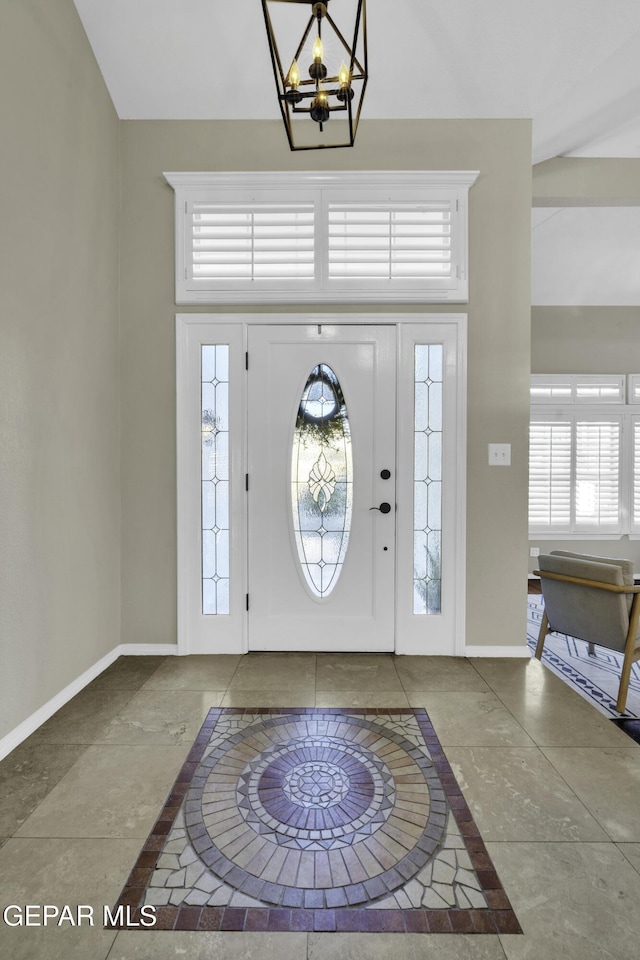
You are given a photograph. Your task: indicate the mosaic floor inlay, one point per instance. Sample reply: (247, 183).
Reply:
(318, 819)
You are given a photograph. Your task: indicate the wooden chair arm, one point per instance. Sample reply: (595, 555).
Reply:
(597, 584)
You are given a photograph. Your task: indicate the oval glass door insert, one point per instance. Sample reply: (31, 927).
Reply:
(322, 480)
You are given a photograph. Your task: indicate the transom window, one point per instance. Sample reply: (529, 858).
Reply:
(260, 237)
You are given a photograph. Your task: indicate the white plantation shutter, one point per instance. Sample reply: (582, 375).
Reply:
(550, 474)
(597, 477)
(559, 389)
(551, 389)
(390, 241)
(260, 241)
(336, 236)
(608, 389)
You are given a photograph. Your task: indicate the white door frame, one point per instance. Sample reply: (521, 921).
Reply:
(228, 633)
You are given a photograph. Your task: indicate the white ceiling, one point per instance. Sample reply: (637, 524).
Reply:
(585, 256)
(570, 65)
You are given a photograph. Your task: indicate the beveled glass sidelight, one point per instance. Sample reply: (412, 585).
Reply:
(215, 478)
(322, 480)
(427, 479)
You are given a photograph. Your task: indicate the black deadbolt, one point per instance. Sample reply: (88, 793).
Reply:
(385, 474)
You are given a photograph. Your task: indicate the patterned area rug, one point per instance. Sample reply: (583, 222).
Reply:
(595, 678)
(317, 820)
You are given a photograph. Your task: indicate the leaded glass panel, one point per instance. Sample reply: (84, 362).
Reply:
(322, 480)
(215, 478)
(427, 498)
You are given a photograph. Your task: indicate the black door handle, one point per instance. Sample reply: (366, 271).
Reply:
(383, 508)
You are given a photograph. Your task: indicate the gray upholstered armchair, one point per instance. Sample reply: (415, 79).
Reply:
(593, 599)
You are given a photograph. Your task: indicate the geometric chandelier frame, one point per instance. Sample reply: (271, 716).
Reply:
(320, 68)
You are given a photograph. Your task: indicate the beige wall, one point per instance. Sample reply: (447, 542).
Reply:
(583, 180)
(585, 340)
(59, 407)
(499, 341)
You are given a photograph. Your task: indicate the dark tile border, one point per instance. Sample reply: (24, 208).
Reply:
(498, 918)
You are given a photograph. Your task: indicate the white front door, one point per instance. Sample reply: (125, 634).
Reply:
(321, 487)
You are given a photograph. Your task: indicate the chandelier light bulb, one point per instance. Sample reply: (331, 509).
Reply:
(293, 79)
(317, 70)
(320, 111)
(293, 95)
(345, 92)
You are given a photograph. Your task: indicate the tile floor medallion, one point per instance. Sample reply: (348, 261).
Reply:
(318, 819)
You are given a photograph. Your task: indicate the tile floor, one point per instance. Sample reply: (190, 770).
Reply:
(554, 789)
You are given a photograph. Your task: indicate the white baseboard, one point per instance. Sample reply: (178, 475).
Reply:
(496, 651)
(148, 650)
(31, 724)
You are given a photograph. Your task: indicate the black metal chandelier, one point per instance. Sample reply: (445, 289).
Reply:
(322, 90)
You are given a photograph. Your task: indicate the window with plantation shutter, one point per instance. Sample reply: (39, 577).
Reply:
(551, 389)
(550, 474)
(388, 241)
(247, 242)
(636, 476)
(577, 388)
(584, 456)
(599, 389)
(597, 474)
(322, 237)
(574, 475)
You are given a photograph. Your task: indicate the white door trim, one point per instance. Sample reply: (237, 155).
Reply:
(228, 634)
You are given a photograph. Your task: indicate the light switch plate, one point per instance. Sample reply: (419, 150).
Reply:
(499, 454)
